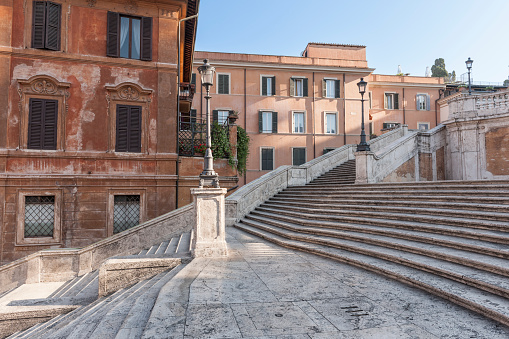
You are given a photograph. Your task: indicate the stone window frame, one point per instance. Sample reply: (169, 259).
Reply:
(128, 93)
(229, 82)
(423, 123)
(336, 113)
(20, 218)
(111, 203)
(303, 112)
(42, 87)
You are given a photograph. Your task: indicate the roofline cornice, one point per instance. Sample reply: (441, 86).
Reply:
(403, 84)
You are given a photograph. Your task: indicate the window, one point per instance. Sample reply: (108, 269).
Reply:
(42, 124)
(299, 87)
(39, 216)
(298, 122)
(331, 123)
(298, 156)
(46, 22)
(422, 102)
(267, 122)
(391, 101)
(328, 149)
(126, 212)
(330, 88)
(267, 159)
(128, 129)
(390, 125)
(423, 126)
(193, 79)
(221, 117)
(268, 85)
(129, 37)
(223, 83)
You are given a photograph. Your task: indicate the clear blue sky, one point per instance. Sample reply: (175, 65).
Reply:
(410, 33)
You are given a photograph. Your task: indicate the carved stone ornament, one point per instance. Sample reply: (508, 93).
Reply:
(128, 91)
(91, 3)
(43, 85)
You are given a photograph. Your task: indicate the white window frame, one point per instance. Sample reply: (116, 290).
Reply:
(425, 96)
(327, 87)
(270, 121)
(386, 103)
(390, 122)
(301, 80)
(303, 121)
(325, 122)
(423, 123)
(305, 154)
(261, 85)
(229, 83)
(226, 119)
(273, 157)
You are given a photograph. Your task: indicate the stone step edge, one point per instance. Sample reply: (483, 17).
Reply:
(398, 235)
(394, 221)
(401, 247)
(499, 216)
(489, 313)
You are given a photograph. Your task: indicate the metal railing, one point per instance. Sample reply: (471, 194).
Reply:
(193, 135)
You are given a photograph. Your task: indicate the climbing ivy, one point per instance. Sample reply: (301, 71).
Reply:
(242, 149)
(221, 148)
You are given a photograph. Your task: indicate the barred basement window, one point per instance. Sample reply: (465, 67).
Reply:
(126, 212)
(39, 216)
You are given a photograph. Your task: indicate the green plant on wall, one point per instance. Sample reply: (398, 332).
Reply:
(220, 142)
(242, 149)
(221, 148)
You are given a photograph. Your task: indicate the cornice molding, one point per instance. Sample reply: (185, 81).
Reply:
(403, 84)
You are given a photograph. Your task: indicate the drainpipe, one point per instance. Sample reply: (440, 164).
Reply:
(245, 115)
(178, 106)
(403, 104)
(313, 118)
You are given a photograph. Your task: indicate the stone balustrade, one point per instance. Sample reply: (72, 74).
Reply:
(479, 105)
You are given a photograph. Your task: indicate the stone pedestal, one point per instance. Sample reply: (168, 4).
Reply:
(364, 164)
(209, 229)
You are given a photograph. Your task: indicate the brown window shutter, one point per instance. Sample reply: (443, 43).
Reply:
(38, 24)
(292, 87)
(146, 38)
(35, 122)
(52, 36)
(122, 128)
(50, 119)
(112, 37)
(134, 129)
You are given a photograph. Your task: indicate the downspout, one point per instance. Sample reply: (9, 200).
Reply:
(245, 115)
(344, 109)
(178, 106)
(313, 118)
(403, 104)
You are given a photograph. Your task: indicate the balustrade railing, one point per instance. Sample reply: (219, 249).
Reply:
(193, 135)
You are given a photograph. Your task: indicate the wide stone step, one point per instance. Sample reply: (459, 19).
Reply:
(395, 203)
(478, 214)
(480, 246)
(426, 277)
(179, 246)
(338, 215)
(432, 186)
(351, 189)
(482, 262)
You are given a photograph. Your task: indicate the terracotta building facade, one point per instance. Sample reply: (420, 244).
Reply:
(295, 109)
(88, 136)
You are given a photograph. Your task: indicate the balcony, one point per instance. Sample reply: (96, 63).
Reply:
(186, 93)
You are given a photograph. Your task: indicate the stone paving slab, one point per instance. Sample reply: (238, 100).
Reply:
(265, 291)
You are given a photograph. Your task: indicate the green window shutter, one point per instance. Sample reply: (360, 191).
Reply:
(385, 101)
(396, 101)
(292, 87)
(384, 126)
(274, 122)
(299, 156)
(336, 85)
(428, 104)
(417, 105)
(267, 159)
(193, 79)
(215, 116)
(226, 84)
(324, 88)
(264, 85)
(305, 87)
(274, 85)
(220, 82)
(260, 122)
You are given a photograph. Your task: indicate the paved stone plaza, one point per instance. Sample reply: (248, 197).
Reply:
(265, 291)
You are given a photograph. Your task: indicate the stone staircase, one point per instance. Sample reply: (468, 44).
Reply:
(122, 314)
(448, 238)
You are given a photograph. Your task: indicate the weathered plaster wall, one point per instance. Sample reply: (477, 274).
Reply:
(497, 150)
(405, 172)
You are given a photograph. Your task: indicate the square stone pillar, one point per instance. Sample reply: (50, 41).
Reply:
(209, 229)
(364, 167)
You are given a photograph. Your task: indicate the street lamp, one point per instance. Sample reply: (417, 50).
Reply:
(469, 63)
(208, 177)
(363, 146)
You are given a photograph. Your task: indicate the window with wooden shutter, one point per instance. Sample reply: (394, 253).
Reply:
(128, 129)
(267, 122)
(267, 159)
(336, 89)
(46, 25)
(299, 156)
(42, 124)
(223, 84)
(268, 85)
(305, 87)
(129, 37)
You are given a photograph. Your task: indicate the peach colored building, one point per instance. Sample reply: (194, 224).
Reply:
(297, 108)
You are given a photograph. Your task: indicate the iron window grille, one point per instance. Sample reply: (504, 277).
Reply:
(39, 216)
(126, 212)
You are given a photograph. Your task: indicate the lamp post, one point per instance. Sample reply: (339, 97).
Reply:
(363, 145)
(208, 177)
(469, 63)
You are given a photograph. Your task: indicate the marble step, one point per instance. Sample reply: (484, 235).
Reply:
(451, 240)
(484, 262)
(501, 228)
(175, 247)
(485, 303)
(395, 203)
(432, 186)
(500, 215)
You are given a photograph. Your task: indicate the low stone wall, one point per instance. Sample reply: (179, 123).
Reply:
(64, 264)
